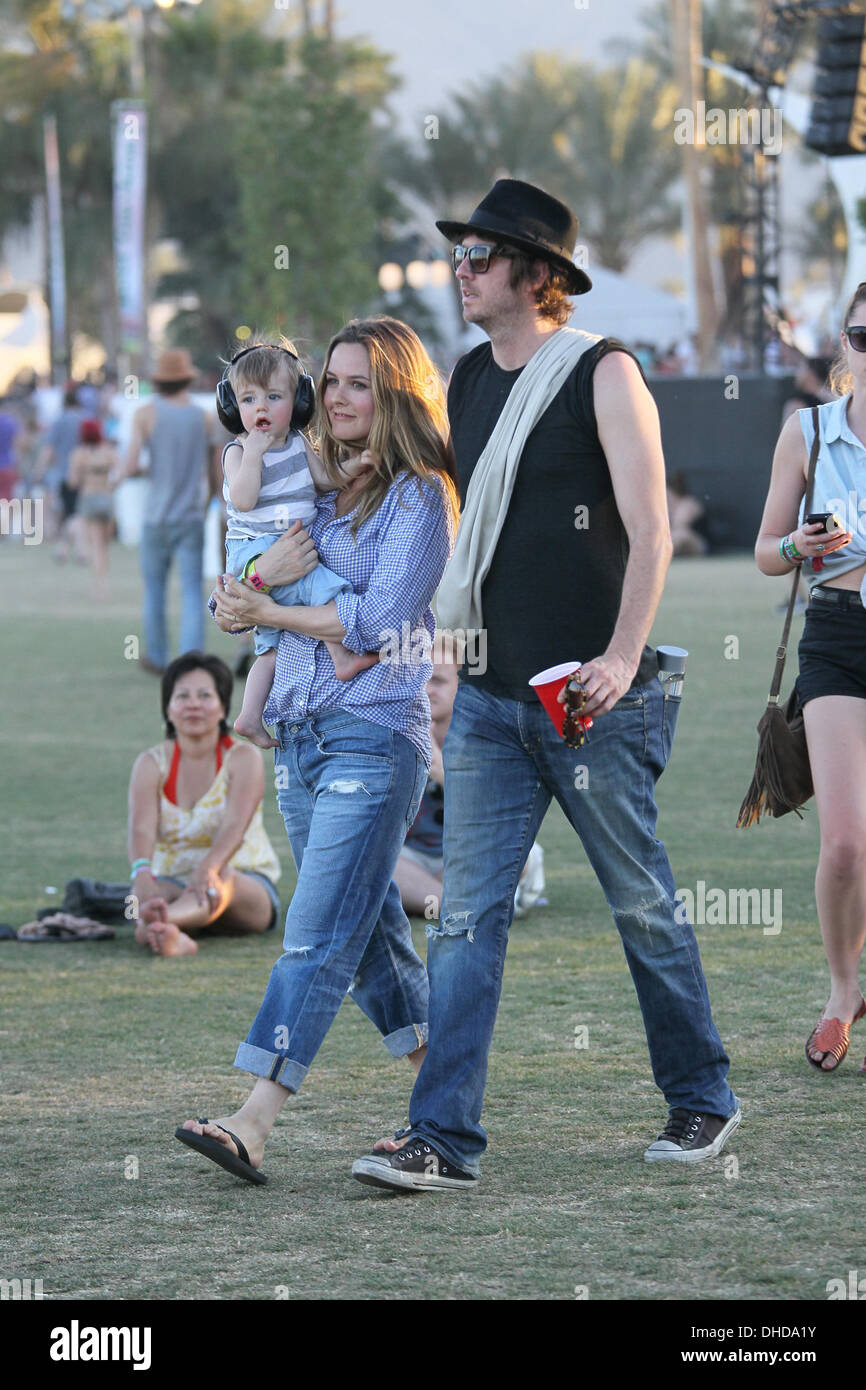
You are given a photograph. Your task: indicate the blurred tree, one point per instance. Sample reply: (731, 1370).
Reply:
(591, 138)
(822, 236)
(257, 141)
(200, 75)
(309, 185)
(729, 32)
(47, 65)
(623, 167)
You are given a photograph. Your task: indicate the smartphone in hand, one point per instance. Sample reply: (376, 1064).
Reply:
(829, 521)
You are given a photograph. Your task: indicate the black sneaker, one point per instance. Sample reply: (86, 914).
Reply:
(690, 1136)
(416, 1167)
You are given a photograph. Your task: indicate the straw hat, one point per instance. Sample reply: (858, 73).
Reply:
(175, 364)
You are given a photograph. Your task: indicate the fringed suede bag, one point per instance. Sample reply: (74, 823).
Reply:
(782, 780)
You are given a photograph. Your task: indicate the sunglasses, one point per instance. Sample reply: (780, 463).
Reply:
(857, 337)
(479, 256)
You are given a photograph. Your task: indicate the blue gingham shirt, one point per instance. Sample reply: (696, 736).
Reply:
(394, 566)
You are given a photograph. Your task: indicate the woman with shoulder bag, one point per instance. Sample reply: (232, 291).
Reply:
(831, 685)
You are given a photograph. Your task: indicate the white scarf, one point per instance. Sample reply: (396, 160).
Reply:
(458, 599)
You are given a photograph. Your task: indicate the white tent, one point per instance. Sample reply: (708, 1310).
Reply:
(621, 308)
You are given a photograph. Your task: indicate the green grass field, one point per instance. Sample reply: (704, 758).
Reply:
(106, 1049)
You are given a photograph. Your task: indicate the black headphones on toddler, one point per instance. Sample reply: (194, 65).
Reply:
(227, 402)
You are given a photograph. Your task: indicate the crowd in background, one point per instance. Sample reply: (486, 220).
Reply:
(69, 445)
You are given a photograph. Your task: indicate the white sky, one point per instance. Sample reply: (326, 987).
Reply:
(440, 44)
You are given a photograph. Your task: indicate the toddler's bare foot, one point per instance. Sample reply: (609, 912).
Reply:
(255, 731)
(347, 664)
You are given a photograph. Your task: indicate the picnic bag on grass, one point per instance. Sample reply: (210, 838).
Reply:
(90, 897)
(782, 780)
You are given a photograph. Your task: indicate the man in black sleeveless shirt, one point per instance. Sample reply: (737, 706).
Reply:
(576, 575)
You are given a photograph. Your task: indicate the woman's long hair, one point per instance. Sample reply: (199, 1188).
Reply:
(841, 380)
(409, 434)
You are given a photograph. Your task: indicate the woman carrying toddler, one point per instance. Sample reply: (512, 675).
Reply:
(272, 474)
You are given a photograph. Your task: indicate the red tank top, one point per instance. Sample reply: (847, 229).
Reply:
(169, 789)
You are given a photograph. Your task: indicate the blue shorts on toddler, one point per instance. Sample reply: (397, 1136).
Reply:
(319, 586)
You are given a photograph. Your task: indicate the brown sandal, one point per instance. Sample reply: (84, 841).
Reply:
(831, 1036)
(62, 926)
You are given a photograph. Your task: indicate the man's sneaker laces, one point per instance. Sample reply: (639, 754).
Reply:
(690, 1136)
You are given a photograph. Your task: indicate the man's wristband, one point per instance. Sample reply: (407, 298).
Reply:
(137, 867)
(249, 573)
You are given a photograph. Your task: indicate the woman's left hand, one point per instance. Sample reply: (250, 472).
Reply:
(238, 606)
(207, 885)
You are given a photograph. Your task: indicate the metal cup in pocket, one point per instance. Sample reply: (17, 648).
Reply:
(672, 669)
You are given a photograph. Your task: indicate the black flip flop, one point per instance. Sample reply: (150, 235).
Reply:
(238, 1164)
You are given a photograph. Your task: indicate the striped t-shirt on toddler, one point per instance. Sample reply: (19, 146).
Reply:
(287, 494)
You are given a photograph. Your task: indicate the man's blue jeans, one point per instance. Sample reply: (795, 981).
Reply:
(504, 761)
(348, 790)
(160, 543)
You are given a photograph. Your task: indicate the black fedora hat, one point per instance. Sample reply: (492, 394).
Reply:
(526, 216)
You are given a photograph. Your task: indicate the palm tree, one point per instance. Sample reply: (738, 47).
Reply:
(49, 67)
(729, 36)
(593, 139)
(686, 26)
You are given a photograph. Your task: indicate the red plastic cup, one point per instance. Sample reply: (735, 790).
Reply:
(548, 684)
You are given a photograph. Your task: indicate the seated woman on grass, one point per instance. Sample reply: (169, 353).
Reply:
(198, 848)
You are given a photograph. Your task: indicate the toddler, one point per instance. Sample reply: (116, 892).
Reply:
(271, 476)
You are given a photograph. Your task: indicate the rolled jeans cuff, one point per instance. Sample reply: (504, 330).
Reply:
(406, 1040)
(273, 1066)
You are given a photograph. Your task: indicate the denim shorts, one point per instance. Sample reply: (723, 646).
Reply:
(269, 887)
(97, 506)
(832, 651)
(317, 587)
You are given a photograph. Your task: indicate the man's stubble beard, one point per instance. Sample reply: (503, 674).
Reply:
(499, 320)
